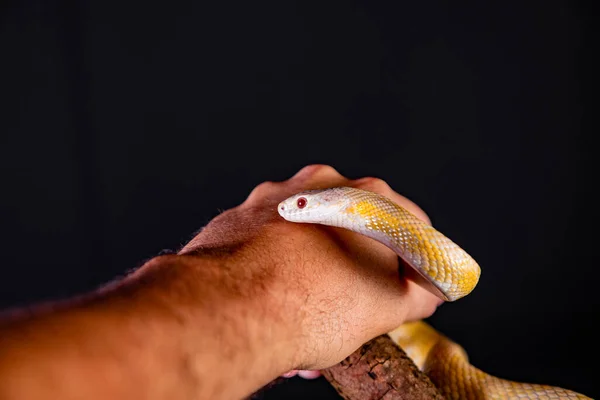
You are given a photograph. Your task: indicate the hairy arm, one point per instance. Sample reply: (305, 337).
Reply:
(180, 327)
(249, 298)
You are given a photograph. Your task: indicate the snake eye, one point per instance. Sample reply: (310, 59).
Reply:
(301, 202)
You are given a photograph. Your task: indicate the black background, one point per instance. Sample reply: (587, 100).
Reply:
(125, 126)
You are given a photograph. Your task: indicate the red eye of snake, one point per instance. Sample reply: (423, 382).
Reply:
(301, 202)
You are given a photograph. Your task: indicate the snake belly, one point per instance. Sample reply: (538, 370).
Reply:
(446, 268)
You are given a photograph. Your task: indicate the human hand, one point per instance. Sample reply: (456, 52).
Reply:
(332, 289)
(251, 296)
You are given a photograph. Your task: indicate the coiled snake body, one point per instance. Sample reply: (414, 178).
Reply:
(448, 271)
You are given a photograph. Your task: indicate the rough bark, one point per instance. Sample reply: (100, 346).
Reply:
(380, 370)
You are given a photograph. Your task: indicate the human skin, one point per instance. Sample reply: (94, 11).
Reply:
(249, 298)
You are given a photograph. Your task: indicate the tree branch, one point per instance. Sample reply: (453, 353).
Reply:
(380, 370)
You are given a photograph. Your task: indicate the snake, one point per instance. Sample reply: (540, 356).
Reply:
(448, 271)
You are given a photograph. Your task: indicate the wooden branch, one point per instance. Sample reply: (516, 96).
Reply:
(380, 370)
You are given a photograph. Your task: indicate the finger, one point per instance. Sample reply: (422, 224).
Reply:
(307, 374)
(302, 373)
(317, 176)
(419, 297)
(420, 302)
(290, 374)
(273, 191)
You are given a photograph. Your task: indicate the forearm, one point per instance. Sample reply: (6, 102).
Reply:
(160, 333)
(262, 297)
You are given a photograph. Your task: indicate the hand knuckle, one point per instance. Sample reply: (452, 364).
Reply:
(266, 185)
(376, 184)
(318, 172)
(315, 169)
(263, 188)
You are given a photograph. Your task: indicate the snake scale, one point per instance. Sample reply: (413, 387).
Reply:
(448, 271)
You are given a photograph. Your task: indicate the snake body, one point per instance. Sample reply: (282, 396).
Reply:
(448, 271)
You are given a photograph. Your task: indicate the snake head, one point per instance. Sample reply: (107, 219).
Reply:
(313, 206)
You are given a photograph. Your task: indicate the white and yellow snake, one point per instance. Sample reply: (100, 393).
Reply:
(451, 271)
